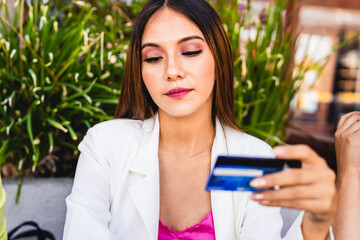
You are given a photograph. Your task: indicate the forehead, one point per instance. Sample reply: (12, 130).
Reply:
(167, 25)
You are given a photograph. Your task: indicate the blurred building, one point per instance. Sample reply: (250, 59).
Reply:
(324, 24)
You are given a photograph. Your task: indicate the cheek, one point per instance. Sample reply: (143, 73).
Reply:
(149, 77)
(206, 71)
(212, 70)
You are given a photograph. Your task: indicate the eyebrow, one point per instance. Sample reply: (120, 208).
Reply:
(180, 41)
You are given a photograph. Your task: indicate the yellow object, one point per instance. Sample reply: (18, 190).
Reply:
(349, 97)
(3, 234)
(325, 97)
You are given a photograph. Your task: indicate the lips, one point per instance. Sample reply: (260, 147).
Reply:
(178, 92)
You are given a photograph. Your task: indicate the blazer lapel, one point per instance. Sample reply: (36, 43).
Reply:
(145, 191)
(222, 202)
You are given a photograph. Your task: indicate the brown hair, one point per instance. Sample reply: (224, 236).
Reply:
(135, 101)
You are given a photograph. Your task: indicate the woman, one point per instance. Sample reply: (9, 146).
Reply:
(143, 176)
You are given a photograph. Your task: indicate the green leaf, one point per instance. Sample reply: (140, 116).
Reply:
(57, 125)
(3, 149)
(30, 130)
(51, 142)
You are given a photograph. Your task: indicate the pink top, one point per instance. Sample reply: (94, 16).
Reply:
(201, 231)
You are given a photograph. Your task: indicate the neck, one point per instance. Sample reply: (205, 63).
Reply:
(186, 136)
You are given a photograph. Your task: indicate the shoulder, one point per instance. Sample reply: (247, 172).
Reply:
(116, 125)
(111, 144)
(116, 128)
(243, 143)
(112, 134)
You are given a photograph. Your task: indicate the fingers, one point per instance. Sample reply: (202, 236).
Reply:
(291, 177)
(345, 117)
(312, 190)
(311, 187)
(312, 205)
(350, 129)
(297, 192)
(347, 144)
(347, 120)
(299, 152)
(354, 128)
(347, 134)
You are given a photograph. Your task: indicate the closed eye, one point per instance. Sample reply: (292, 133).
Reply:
(152, 59)
(192, 53)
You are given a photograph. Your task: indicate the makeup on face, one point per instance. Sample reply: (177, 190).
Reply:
(177, 66)
(188, 46)
(152, 54)
(178, 92)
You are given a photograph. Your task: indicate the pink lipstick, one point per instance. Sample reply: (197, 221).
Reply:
(178, 92)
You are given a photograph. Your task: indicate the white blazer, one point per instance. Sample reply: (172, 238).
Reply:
(116, 187)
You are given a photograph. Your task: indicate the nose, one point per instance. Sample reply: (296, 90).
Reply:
(175, 70)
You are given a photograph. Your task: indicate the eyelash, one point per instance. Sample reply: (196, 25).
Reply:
(189, 53)
(192, 53)
(153, 59)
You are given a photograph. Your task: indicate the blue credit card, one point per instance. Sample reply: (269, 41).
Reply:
(232, 173)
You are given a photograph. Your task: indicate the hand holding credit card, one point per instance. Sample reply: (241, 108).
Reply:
(233, 173)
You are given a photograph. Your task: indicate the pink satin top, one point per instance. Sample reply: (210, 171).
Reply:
(201, 231)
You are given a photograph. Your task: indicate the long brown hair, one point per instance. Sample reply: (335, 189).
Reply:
(135, 101)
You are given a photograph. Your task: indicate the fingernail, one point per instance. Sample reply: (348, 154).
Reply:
(259, 182)
(279, 150)
(257, 196)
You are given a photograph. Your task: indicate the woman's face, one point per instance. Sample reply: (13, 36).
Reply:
(178, 68)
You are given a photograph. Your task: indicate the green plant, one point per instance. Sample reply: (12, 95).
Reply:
(60, 71)
(61, 64)
(266, 76)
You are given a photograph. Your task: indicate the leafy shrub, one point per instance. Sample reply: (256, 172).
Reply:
(60, 71)
(266, 76)
(61, 66)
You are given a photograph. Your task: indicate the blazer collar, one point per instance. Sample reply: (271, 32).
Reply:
(222, 202)
(146, 191)
(146, 158)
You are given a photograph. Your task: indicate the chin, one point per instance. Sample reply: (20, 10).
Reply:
(178, 112)
(186, 109)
